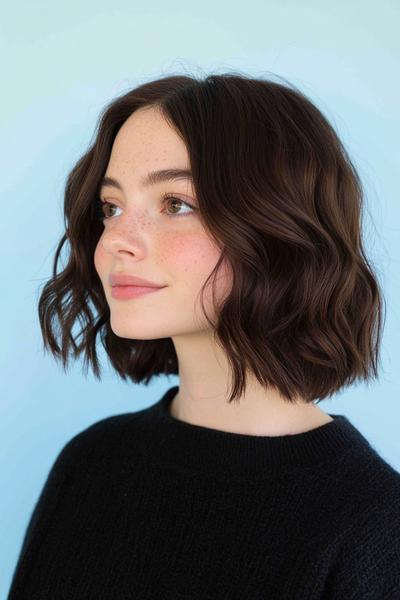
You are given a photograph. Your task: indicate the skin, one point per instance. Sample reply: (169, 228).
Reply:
(169, 245)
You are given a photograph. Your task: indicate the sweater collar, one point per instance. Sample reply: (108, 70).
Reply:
(213, 451)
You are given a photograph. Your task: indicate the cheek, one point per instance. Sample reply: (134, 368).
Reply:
(190, 261)
(100, 260)
(192, 256)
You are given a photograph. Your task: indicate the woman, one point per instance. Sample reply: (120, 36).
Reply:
(235, 200)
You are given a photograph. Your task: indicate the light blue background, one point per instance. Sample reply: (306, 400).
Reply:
(60, 64)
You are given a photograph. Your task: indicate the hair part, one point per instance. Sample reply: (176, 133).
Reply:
(279, 194)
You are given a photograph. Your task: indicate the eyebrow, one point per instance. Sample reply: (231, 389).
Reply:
(152, 178)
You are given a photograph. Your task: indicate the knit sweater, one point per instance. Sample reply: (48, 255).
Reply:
(142, 505)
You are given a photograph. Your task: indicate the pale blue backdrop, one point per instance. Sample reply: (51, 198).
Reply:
(60, 64)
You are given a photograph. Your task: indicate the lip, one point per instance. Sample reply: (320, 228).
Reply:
(121, 279)
(125, 292)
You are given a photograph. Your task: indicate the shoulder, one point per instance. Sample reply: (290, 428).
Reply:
(365, 550)
(367, 489)
(373, 476)
(105, 440)
(377, 512)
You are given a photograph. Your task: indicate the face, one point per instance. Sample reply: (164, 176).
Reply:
(160, 240)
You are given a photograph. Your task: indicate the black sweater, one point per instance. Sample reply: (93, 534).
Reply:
(145, 506)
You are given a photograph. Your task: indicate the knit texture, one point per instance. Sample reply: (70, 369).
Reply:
(145, 506)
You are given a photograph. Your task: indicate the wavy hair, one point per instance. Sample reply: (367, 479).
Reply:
(278, 192)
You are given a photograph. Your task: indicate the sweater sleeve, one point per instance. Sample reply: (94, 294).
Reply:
(41, 516)
(368, 560)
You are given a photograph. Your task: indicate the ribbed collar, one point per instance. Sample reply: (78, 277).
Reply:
(226, 454)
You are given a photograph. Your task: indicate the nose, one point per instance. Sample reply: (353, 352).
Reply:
(114, 243)
(123, 237)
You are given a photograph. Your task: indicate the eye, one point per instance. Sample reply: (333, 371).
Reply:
(100, 205)
(166, 199)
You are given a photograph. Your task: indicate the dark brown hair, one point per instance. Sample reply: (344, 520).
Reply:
(278, 192)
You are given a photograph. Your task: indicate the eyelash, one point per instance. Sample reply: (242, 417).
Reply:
(100, 203)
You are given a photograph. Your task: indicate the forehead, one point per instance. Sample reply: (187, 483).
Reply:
(147, 141)
(147, 151)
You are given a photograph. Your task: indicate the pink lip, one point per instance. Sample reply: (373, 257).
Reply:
(125, 292)
(122, 279)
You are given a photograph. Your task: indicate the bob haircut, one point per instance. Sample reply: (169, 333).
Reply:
(279, 194)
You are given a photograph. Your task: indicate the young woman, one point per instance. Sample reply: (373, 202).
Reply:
(214, 231)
